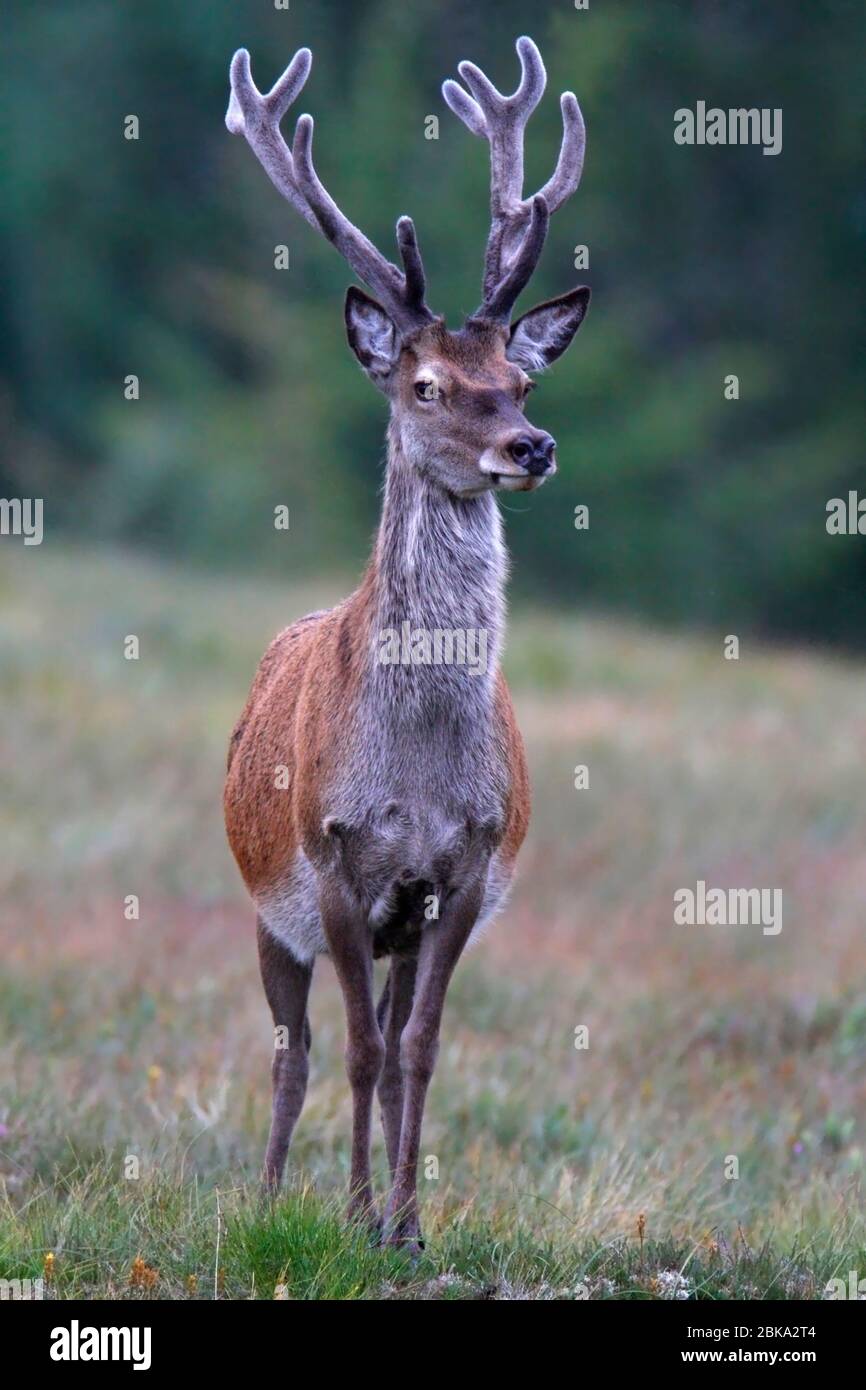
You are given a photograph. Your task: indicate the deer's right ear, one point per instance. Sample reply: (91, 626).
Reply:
(372, 335)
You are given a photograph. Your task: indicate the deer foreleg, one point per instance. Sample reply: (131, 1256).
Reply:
(287, 986)
(350, 948)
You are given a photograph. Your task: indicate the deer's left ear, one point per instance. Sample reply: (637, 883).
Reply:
(373, 336)
(545, 332)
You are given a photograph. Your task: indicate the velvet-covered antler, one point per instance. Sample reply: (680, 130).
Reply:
(257, 116)
(518, 225)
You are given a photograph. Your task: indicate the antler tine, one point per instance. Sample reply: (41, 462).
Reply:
(383, 278)
(413, 266)
(517, 230)
(462, 105)
(569, 165)
(502, 298)
(505, 119)
(257, 117)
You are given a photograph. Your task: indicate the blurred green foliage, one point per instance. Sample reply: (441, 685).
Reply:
(156, 257)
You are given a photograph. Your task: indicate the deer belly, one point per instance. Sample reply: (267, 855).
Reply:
(495, 895)
(290, 911)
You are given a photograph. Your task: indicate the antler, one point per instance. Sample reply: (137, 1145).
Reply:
(257, 116)
(518, 225)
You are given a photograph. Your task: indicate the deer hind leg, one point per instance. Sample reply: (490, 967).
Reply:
(393, 1013)
(440, 950)
(287, 987)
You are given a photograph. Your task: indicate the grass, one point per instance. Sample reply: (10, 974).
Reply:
(134, 1091)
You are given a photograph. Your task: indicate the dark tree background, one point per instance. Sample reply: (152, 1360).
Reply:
(156, 257)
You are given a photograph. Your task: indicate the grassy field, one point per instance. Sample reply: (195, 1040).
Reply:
(134, 1055)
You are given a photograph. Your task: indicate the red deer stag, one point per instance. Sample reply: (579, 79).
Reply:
(407, 796)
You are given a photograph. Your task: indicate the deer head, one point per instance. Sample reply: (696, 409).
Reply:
(457, 397)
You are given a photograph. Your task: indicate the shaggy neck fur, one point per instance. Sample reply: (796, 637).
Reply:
(439, 565)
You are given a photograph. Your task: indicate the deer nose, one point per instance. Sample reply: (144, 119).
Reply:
(533, 452)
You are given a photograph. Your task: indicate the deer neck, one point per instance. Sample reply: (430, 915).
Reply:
(439, 566)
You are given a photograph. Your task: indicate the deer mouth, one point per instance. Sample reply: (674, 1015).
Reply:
(510, 478)
(513, 481)
(525, 482)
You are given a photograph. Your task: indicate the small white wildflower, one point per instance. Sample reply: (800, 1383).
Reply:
(799, 1285)
(506, 1292)
(671, 1284)
(603, 1288)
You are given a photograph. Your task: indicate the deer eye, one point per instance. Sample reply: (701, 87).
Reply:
(426, 390)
